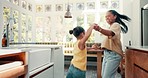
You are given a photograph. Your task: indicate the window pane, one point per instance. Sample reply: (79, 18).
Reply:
(90, 20)
(39, 29)
(6, 17)
(68, 26)
(90, 5)
(29, 7)
(47, 8)
(24, 4)
(47, 29)
(80, 6)
(6, 21)
(104, 4)
(59, 29)
(115, 4)
(102, 21)
(23, 28)
(29, 34)
(16, 2)
(39, 8)
(80, 20)
(15, 26)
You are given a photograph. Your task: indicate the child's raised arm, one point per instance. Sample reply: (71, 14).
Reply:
(86, 36)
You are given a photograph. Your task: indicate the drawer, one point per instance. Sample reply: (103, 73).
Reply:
(48, 73)
(38, 58)
(140, 73)
(141, 59)
(13, 72)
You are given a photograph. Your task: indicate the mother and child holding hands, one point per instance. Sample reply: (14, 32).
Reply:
(111, 46)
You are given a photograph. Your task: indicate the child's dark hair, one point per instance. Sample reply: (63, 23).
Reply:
(124, 27)
(76, 31)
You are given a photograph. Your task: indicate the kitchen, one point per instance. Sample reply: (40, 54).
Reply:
(41, 25)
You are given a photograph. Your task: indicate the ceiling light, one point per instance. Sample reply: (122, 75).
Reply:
(68, 14)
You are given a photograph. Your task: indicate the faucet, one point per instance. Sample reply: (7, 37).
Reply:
(7, 30)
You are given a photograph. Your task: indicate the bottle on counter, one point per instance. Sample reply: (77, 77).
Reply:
(4, 41)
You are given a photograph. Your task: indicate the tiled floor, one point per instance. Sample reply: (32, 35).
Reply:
(90, 73)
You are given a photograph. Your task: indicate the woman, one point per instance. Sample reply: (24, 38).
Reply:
(77, 68)
(112, 45)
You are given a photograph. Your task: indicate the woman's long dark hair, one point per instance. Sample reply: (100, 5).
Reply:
(124, 27)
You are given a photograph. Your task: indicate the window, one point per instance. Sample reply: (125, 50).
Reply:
(39, 29)
(6, 17)
(68, 23)
(24, 4)
(23, 28)
(29, 31)
(47, 29)
(15, 26)
(80, 20)
(50, 24)
(16, 2)
(39, 8)
(90, 20)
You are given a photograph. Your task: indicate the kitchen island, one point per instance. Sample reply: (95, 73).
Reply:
(44, 61)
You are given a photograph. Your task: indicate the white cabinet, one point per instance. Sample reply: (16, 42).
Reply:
(38, 58)
(41, 57)
(58, 59)
(39, 64)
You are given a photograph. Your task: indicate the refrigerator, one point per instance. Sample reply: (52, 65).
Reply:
(144, 26)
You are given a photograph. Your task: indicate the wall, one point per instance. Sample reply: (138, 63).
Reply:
(136, 24)
(133, 24)
(132, 8)
(127, 10)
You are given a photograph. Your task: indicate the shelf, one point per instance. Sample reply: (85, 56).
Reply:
(4, 65)
(14, 72)
(17, 71)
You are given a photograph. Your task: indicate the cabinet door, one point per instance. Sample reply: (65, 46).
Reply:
(58, 59)
(141, 59)
(129, 63)
(140, 73)
(45, 74)
(38, 58)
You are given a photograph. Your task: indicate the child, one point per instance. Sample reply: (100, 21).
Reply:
(77, 68)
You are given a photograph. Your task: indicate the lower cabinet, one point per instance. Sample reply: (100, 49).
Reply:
(136, 64)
